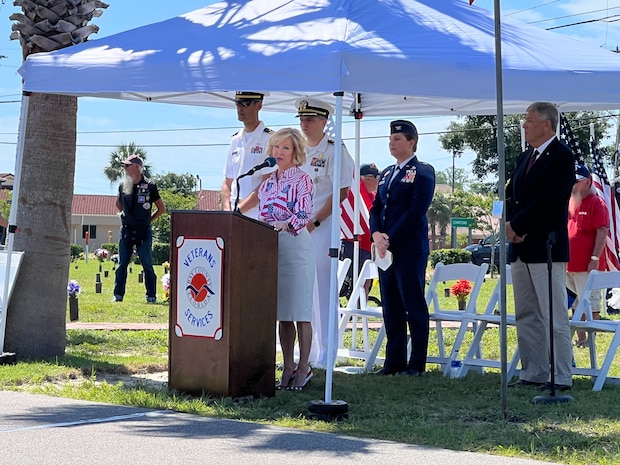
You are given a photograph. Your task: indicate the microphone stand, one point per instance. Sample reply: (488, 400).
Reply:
(236, 207)
(552, 398)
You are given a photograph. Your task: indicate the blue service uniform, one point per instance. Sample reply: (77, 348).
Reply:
(400, 211)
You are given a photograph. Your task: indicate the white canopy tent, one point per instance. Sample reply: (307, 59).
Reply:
(387, 57)
(405, 57)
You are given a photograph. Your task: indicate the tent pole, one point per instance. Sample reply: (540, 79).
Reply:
(502, 198)
(337, 409)
(357, 195)
(12, 228)
(334, 249)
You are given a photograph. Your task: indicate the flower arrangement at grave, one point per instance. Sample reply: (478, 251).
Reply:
(165, 284)
(461, 289)
(101, 254)
(73, 289)
(166, 266)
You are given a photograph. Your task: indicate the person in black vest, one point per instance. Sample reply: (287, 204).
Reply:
(136, 196)
(537, 199)
(398, 223)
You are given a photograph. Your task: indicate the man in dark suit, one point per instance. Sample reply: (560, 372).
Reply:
(537, 198)
(398, 223)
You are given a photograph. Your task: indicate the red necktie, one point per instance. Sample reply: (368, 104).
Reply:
(533, 159)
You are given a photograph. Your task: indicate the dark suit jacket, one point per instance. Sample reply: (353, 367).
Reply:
(537, 203)
(400, 211)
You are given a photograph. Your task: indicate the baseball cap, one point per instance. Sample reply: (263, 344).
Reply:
(581, 172)
(369, 169)
(133, 160)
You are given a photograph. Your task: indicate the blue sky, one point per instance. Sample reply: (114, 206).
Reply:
(194, 139)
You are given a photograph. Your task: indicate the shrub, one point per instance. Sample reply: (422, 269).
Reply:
(76, 251)
(161, 252)
(449, 256)
(112, 247)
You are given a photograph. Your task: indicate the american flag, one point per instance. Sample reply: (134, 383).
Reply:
(602, 187)
(567, 136)
(347, 214)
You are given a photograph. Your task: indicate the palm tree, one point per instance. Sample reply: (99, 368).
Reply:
(115, 171)
(438, 216)
(36, 318)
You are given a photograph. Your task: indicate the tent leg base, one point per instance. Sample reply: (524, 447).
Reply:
(336, 410)
(8, 358)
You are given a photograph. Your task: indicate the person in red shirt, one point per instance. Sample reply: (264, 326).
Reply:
(369, 180)
(588, 225)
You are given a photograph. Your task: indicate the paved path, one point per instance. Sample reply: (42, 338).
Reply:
(51, 430)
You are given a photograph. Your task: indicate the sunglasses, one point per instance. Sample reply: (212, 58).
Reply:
(244, 103)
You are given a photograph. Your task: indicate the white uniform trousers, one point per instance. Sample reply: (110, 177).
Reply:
(320, 309)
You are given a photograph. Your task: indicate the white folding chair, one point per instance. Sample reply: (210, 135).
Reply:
(357, 311)
(452, 272)
(597, 280)
(473, 357)
(343, 269)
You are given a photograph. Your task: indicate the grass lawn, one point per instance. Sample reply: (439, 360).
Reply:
(432, 410)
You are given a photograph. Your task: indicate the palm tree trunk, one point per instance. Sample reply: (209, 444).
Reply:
(36, 318)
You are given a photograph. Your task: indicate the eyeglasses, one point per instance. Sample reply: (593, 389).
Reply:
(244, 103)
(370, 176)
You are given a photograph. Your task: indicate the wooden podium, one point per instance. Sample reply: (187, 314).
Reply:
(222, 262)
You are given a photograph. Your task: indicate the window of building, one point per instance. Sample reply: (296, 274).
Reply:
(92, 231)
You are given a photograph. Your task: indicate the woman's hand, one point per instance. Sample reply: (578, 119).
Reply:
(382, 242)
(280, 226)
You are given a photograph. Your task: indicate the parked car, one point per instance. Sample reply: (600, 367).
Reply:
(481, 252)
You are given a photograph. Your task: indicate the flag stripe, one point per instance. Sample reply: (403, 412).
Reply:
(347, 213)
(604, 191)
(602, 188)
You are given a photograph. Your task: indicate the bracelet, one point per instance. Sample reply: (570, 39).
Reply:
(594, 257)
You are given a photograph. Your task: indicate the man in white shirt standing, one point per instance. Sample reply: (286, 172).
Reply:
(313, 115)
(248, 148)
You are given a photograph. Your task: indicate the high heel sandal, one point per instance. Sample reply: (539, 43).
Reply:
(301, 387)
(282, 386)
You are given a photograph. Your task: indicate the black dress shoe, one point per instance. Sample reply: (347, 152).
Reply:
(411, 372)
(386, 372)
(558, 387)
(525, 382)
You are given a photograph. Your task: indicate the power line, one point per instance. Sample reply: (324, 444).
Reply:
(573, 15)
(587, 22)
(532, 8)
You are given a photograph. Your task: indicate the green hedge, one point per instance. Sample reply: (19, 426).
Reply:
(111, 247)
(76, 251)
(448, 256)
(161, 252)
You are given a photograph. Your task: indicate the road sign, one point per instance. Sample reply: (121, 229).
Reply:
(461, 222)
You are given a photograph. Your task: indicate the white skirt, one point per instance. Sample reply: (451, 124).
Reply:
(296, 270)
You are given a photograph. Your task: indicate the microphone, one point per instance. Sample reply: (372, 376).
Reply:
(269, 162)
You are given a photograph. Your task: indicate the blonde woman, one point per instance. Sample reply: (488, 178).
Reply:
(285, 202)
